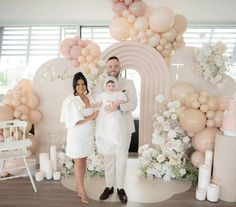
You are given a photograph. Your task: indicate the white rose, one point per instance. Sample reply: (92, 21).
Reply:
(166, 114)
(186, 139)
(173, 116)
(160, 98)
(182, 171)
(160, 158)
(172, 134)
(166, 178)
(160, 119)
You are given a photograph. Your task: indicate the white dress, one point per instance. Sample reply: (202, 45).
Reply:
(110, 127)
(80, 138)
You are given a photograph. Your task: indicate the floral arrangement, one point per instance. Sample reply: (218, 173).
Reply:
(95, 164)
(211, 63)
(167, 158)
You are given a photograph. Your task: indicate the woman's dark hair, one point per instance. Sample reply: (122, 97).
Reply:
(113, 58)
(79, 76)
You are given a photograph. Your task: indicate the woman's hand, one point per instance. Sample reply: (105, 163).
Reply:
(94, 115)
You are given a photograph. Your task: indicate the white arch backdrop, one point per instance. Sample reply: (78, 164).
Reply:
(154, 75)
(53, 82)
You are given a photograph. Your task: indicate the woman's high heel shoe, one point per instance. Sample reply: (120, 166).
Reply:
(84, 199)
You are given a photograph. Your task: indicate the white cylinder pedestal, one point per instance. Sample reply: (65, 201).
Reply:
(225, 167)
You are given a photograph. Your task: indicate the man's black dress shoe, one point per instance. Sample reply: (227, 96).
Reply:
(106, 193)
(122, 195)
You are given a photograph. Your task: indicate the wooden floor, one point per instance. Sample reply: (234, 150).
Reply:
(19, 193)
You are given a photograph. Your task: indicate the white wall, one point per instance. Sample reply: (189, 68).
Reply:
(100, 11)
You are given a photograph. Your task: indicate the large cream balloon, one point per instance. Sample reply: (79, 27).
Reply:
(180, 23)
(197, 158)
(180, 90)
(193, 120)
(161, 19)
(119, 28)
(204, 140)
(6, 113)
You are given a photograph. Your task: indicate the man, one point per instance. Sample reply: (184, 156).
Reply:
(115, 165)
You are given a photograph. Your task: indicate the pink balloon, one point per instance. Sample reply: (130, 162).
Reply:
(75, 51)
(119, 28)
(6, 113)
(218, 118)
(65, 46)
(204, 140)
(197, 158)
(75, 63)
(180, 23)
(161, 19)
(119, 7)
(35, 116)
(24, 109)
(128, 2)
(193, 120)
(33, 100)
(94, 50)
(138, 8)
(26, 85)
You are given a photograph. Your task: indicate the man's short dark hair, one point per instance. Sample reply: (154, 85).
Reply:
(113, 58)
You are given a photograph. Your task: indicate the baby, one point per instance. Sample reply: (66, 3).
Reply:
(109, 121)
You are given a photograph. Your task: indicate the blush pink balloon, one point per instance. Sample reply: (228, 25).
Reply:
(75, 62)
(138, 8)
(119, 29)
(75, 51)
(197, 158)
(33, 100)
(24, 109)
(26, 85)
(35, 116)
(94, 50)
(128, 2)
(180, 23)
(204, 140)
(119, 7)
(223, 103)
(6, 113)
(161, 19)
(218, 118)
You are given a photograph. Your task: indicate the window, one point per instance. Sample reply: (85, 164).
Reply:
(24, 49)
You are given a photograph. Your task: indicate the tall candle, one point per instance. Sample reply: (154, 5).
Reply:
(53, 157)
(43, 159)
(200, 194)
(204, 176)
(49, 170)
(213, 192)
(208, 157)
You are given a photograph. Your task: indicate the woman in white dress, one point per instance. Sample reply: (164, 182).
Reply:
(78, 115)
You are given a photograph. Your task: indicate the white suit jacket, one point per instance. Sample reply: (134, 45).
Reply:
(127, 87)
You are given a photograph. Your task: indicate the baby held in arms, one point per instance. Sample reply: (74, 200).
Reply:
(110, 121)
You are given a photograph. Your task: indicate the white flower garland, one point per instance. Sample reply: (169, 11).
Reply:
(211, 63)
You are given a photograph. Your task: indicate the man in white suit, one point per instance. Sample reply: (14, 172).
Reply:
(115, 165)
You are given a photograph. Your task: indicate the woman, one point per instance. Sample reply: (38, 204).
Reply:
(77, 115)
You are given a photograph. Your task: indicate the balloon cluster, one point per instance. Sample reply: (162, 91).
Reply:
(21, 103)
(157, 27)
(200, 115)
(83, 54)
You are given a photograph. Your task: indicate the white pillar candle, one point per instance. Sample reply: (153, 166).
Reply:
(200, 194)
(39, 176)
(49, 170)
(53, 157)
(204, 176)
(208, 157)
(57, 175)
(213, 192)
(43, 160)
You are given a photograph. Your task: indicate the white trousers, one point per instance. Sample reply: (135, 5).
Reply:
(115, 167)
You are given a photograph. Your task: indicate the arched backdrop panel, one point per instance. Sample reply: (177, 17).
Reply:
(154, 75)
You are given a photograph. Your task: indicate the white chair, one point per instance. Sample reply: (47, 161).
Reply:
(14, 148)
